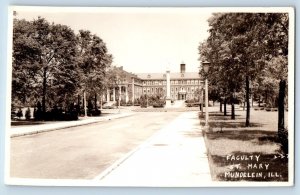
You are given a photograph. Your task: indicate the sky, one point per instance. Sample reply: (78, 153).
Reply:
(140, 40)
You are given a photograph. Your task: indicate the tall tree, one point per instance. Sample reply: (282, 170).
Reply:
(246, 41)
(46, 51)
(56, 62)
(93, 60)
(24, 69)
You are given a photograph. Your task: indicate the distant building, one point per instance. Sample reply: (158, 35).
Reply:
(183, 85)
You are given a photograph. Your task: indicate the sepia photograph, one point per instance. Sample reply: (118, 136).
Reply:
(150, 97)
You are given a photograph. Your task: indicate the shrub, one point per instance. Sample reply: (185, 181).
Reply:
(143, 101)
(94, 112)
(158, 104)
(38, 114)
(70, 116)
(28, 114)
(19, 113)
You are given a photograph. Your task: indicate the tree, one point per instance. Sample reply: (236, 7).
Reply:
(240, 44)
(45, 53)
(24, 70)
(93, 61)
(56, 62)
(224, 72)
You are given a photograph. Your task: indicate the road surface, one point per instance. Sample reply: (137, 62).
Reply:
(82, 152)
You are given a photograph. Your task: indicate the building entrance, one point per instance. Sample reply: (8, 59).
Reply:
(181, 96)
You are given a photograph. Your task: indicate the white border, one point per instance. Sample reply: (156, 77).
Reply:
(51, 9)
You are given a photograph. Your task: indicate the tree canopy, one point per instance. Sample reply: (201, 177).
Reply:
(245, 48)
(52, 64)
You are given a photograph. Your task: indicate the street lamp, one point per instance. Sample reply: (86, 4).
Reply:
(205, 66)
(200, 91)
(119, 92)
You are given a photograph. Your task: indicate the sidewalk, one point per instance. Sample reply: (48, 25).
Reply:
(175, 156)
(34, 129)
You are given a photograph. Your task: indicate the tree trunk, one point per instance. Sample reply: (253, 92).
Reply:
(95, 100)
(258, 101)
(221, 105)
(225, 111)
(232, 109)
(78, 104)
(101, 100)
(282, 85)
(248, 102)
(78, 100)
(266, 99)
(44, 90)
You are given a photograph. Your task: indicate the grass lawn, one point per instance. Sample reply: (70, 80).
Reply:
(239, 153)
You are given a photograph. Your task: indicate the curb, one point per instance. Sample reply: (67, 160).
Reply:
(66, 127)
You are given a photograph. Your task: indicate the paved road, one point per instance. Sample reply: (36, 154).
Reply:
(82, 152)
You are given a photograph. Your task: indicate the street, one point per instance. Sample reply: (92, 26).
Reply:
(82, 152)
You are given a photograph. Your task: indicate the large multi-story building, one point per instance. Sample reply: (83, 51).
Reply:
(183, 85)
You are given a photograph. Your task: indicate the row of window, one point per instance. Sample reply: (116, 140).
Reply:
(154, 90)
(176, 82)
(185, 82)
(154, 82)
(173, 89)
(186, 89)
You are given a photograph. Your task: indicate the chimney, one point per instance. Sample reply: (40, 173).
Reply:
(182, 67)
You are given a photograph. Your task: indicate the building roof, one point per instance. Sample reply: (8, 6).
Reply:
(173, 75)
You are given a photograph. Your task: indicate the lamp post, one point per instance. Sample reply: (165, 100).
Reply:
(205, 66)
(119, 92)
(200, 91)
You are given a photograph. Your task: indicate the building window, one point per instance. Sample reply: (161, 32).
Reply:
(196, 82)
(164, 82)
(152, 89)
(188, 89)
(176, 89)
(192, 82)
(172, 82)
(188, 82)
(156, 82)
(160, 82)
(176, 82)
(172, 89)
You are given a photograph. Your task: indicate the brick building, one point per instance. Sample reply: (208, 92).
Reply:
(183, 85)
